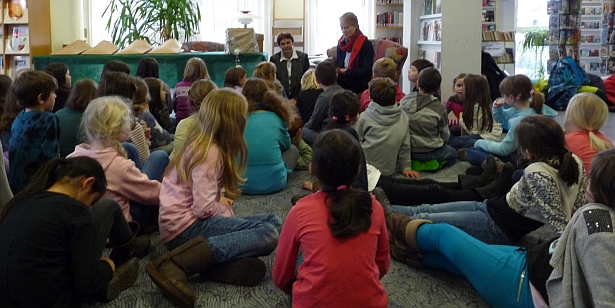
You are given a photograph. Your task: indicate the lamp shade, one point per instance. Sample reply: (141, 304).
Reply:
(245, 18)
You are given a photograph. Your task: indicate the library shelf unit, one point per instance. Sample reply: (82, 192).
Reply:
(497, 42)
(26, 29)
(390, 20)
(590, 25)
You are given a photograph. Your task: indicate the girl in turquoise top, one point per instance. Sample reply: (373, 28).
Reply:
(267, 138)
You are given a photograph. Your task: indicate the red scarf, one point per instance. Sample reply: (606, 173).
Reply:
(352, 45)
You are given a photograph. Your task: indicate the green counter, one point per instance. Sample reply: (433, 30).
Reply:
(171, 65)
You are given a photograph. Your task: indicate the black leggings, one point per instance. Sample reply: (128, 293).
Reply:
(406, 191)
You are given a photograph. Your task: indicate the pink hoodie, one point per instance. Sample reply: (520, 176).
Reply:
(181, 204)
(125, 182)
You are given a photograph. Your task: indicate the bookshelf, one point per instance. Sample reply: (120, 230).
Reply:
(496, 41)
(26, 32)
(459, 46)
(589, 40)
(390, 20)
(564, 34)
(607, 39)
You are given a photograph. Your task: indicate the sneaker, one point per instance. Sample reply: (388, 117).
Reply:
(430, 165)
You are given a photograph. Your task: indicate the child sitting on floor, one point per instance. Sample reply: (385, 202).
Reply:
(383, 67)
(428, 124)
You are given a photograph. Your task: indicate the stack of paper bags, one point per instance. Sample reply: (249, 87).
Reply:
(136, 47)
(171, 46)
(74, 48)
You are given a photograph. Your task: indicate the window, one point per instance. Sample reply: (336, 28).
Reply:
(324, 29)
(531, 15)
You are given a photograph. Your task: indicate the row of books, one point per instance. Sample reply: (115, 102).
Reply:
(506, 57)
(389, 1)
(390, 19)
(490, 36)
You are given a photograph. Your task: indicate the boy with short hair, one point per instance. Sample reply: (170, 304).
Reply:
(428, 123)
(416, 67)
(35, 131)
(326, 76)
(383, 131)
(383, 67)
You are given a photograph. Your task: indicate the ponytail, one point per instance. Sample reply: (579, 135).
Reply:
(61, 169)
(351, 212)
(537, 101)
(568, 169)
(598, 144)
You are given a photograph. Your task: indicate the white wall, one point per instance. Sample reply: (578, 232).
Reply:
(66, 24)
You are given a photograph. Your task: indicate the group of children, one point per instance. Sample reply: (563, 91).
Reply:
(244, 138)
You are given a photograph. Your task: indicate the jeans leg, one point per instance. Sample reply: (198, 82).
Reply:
(463, 142)
(132, 153)
(476, 156)
(478, 262)
(448, 154)
(411, 194)
(290, 157)
(232, 238)
(156, 164)
(110, 223)
(469, 216)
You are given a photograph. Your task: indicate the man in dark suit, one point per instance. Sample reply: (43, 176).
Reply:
(290, 63)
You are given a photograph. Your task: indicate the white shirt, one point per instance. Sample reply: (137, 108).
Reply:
(288, 64)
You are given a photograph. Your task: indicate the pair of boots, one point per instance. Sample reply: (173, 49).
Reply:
(402, 232)
(170, 272)
(489, 171)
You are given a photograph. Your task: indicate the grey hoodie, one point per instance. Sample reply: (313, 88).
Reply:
(384, 137)
(428, 121)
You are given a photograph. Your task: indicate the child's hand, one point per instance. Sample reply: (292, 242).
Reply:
(226, 201)
(307, 185)
(411, 174)
(498, 103)
(453, 122)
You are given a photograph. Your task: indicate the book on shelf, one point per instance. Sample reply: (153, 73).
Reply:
(431, 30)
(390, 19)
(506, 57)
(488, 16)
(432, 7)
(489, 2)
(437, 60)
(488, 27)
(389, 1)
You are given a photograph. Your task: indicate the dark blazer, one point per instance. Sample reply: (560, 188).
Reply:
(298, 67)
(356, 79)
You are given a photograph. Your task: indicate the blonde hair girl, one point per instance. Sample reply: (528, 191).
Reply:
(192, 212)
(106, 123)
(266, 70)
(585, 115)
(310, 90)
(197, 94)
(196, 69)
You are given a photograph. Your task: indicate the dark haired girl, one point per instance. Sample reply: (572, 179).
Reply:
(340, 231)
(61, 73)
(52, 235)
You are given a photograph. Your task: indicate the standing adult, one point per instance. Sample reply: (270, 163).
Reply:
(290, 64)
(355, 55)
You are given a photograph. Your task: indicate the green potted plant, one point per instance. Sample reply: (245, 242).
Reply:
(536, 40)
(152, 20)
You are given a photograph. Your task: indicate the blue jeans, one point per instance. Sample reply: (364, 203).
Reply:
(232, 238)
(494, 270)
(477, 156)
(446, 154)
(470, 216)
(463, 142)
(132, 153)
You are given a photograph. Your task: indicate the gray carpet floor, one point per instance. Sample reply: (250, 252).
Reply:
(405, 286)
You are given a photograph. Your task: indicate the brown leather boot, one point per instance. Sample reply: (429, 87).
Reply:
(124, 277)
(137, 246)
(170, 272)
(402, 238)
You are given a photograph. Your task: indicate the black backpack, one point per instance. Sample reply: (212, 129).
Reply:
(493, 73)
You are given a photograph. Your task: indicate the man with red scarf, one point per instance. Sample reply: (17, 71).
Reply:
(355, 55)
